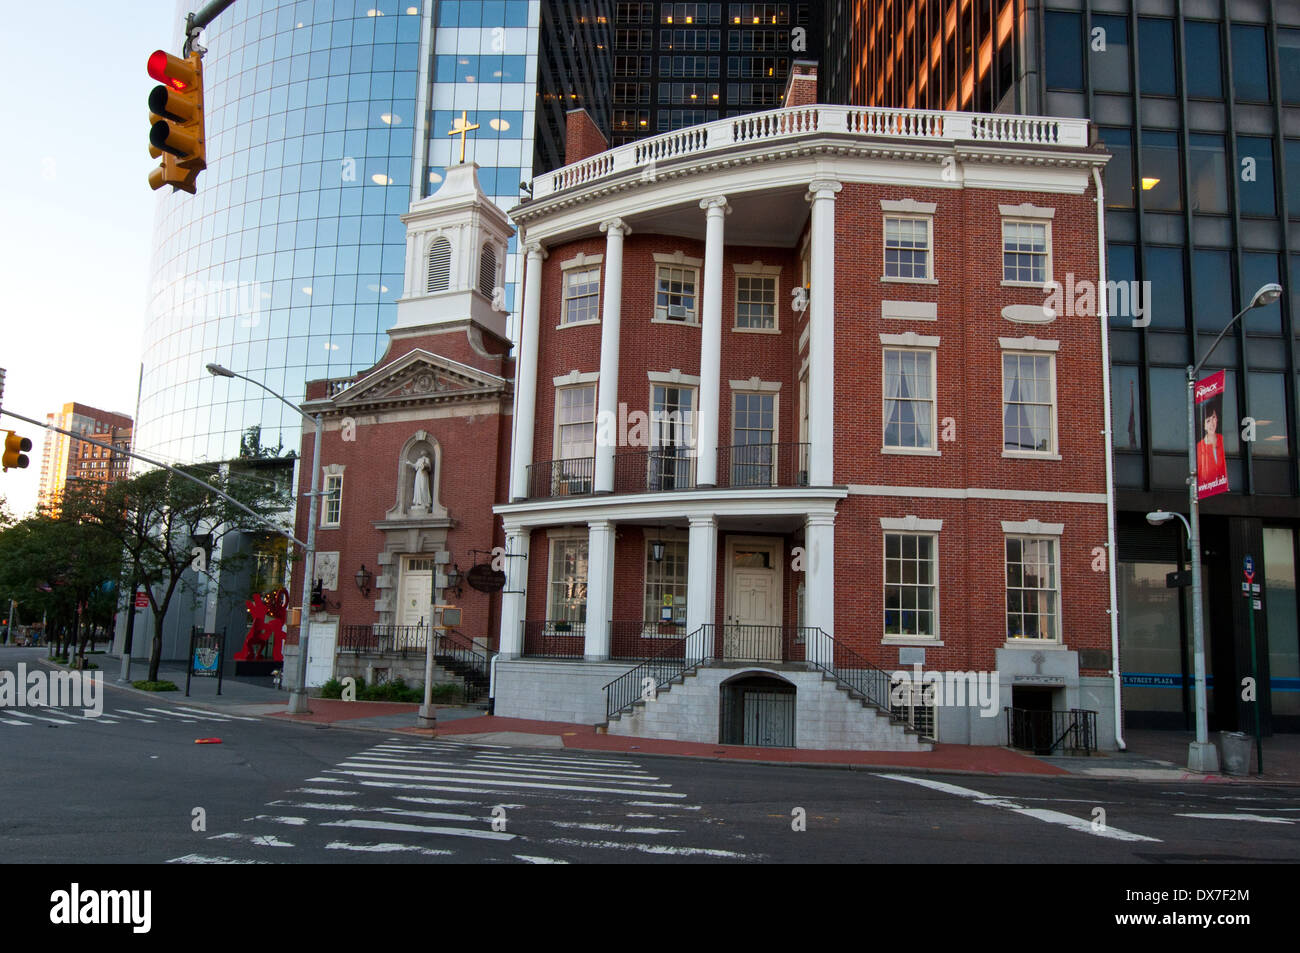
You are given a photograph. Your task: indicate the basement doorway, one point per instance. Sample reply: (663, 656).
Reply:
(757, 710)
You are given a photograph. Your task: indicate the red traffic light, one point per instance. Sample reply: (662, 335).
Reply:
(171, 71)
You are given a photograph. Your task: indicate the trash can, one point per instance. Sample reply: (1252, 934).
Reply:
(1234, 747)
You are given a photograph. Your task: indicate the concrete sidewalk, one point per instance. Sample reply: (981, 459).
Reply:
(1151, 755)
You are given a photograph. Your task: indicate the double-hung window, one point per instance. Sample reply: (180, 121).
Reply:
(665, 586)
(1028, 403)
(1026, 252)
(575, 439)
(581, 295)
(911, 592)
(753, 460)
(756, 294)
(566, 593)
(675, 295)
(333, 510)
(1033, 588)
(907, 247)
(908, 411)
(672, 436)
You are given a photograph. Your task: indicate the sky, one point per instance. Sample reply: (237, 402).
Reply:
(76, 211)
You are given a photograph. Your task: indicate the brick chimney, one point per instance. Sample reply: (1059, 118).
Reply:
(582, 137)
(801, 87)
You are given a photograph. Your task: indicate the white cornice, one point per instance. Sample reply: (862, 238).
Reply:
(911, 524)
(1028, 344)
(908, 206)
(1033, 527)
(675, 376)
(678, 258)
(910, 339)
(1026, 210)
(576, 377)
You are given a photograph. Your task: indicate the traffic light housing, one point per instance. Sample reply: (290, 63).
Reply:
(176, 121)
(15, 452)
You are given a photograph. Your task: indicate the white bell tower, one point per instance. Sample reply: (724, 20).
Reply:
(455, 257)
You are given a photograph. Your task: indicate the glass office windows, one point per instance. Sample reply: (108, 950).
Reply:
(1108, 54)
(1259, 269)
(1211, 289)
(1157, 67)
(1291, 158)
(1288, 64)
(1164, 269)
(1208, 187)
(1121, 268)
(1250, 63)
(1204, 59)
(1255, 179)
(1280, 608)
(1064, 32)
(1266, 401)
(1161, 191)
(1125, 407)
(1119, 170)
(1168, 389)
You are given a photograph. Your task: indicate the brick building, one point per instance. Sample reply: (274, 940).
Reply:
(794, 411)
(411, 454)
(65, 458)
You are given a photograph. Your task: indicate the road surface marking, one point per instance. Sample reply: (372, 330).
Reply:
(615, 828)
(260, 840)
(449, 781)
(651, 848)
(420, 829)
(204, 859)
(538, 860)
(1051, 817)
(388, 848)
(479, 768)
(1260, 818)
(50, 718)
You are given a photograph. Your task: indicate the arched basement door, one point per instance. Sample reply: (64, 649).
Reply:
(757, 710)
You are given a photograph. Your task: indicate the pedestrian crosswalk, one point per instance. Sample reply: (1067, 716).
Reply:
(143, 714)
(445, 801)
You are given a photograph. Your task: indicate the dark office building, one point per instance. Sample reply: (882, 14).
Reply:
(573, 71)
(681, 64)
(1198, 101)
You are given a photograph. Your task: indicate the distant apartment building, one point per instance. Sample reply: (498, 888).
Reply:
(66, 458)
(682, 64)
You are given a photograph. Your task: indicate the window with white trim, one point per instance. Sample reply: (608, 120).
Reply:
(1025, 248)
(908, 382)
(665, 583)
(575, 440)
(672, 436)
(907, 247)
(581, 295)
(332, 512)
(675, 298)
(756, 302)
(911, 597)
(1033, 603)
(1028, 402)
(566, 589)
(753, 433)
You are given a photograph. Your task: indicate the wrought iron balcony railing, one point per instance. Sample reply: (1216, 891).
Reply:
(554, 638)
(654, 471)
(553, 478)
(763, 464)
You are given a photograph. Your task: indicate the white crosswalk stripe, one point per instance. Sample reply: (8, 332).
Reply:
(150, 716)
(435, 799)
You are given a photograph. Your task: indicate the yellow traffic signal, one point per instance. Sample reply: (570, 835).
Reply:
(176, 121)
(15, 452)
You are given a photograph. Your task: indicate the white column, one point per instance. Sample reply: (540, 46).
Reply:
(701, 585)
(706, 464)
(514, 598)
(821, 335)
(521, 454)
(819, 584)
(610, 318)
(600, 588)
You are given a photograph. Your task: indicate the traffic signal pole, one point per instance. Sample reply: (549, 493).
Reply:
(195, 22)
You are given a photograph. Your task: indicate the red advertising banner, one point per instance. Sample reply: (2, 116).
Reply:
(1211, 465)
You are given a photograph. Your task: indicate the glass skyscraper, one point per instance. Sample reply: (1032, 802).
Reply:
(324, 120)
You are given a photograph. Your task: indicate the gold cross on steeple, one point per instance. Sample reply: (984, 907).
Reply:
(459, 127)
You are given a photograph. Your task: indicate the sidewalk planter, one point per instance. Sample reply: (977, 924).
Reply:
(1234, 747)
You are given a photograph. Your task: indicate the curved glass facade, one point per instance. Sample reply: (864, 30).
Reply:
(287, 264)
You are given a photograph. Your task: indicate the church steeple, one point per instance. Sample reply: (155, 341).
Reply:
(455, 256)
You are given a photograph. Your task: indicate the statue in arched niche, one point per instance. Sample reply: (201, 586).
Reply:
(422, 484)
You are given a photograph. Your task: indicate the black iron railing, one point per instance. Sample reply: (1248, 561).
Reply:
(852, 671)
(643, 682)
(377, 639)
(636, 641)
(654, 471)
(547, 638)
(758, 643)
(551, 478)
(763, 464)
(1046, 732)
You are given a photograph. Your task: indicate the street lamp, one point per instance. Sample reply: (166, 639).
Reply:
(298, 691)
(1203, 756)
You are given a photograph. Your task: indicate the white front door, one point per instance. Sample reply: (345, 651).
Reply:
(415, 606)
(321, 637)
(753, 600)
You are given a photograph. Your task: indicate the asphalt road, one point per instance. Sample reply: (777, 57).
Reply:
(133, 786)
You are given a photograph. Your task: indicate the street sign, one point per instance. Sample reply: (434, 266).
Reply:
(1248, 568)
(142, 600)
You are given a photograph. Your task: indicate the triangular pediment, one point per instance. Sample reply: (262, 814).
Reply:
(420, 376)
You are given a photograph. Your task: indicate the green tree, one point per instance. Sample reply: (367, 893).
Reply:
(170, 526)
